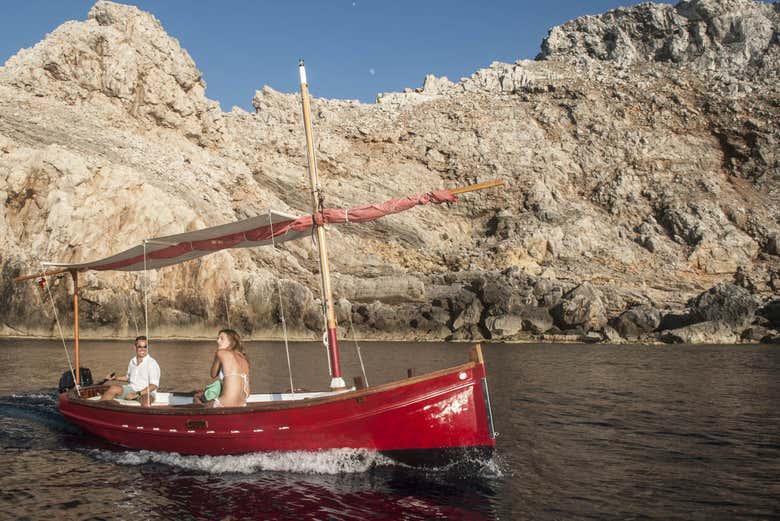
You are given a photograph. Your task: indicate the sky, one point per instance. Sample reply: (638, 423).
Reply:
(354, 49)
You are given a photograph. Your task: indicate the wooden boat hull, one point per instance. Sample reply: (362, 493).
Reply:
(425, 420)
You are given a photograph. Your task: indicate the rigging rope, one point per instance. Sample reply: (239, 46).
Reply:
(131, 313)
(323, 308)
(146, 301)
(146, 328)
(226, 299)
(281, 309)
(357, 346)
(59, 327)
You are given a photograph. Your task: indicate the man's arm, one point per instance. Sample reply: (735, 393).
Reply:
(143, 392)
(123, 378)
(113, 377)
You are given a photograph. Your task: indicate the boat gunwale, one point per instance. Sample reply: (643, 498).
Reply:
(198, 409)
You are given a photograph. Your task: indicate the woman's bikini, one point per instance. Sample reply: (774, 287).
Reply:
(244, 377)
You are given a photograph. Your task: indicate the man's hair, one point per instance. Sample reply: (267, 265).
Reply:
(142, 337)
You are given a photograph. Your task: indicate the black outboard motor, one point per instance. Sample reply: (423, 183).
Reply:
(67, 383)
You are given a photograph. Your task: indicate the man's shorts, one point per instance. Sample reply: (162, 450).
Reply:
(126, 389)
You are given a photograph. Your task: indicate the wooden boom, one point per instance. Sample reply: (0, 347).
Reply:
(42, 274)
(478, 186)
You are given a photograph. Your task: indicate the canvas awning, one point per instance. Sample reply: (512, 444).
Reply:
(182, 247)
(262, 230)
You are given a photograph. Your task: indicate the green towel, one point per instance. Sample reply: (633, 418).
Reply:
(213, 390)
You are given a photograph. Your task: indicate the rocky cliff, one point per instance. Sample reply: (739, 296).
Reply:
(640, 154)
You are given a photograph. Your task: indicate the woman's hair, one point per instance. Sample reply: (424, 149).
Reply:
(235, 340)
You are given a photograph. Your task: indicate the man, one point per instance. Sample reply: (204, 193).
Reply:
(143, 375)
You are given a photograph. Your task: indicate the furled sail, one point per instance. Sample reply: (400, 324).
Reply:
(261, 230)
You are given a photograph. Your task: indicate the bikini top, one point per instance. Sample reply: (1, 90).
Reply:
(244, 377)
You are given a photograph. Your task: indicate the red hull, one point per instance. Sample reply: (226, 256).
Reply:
(446, 410)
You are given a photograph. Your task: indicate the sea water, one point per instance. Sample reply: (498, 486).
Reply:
(585, 432)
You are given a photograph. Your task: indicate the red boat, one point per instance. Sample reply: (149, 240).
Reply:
(423, 420)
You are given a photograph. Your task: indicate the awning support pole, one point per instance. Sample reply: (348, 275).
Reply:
(75, 275)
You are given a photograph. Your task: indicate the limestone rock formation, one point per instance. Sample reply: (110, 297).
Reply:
(637, 322)
(711, 332)
(726, 302)
(728, 37)
(121, 56)
(584, 307)
(639, 151)
(771, 312)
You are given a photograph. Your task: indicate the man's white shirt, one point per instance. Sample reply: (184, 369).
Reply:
(143, 374)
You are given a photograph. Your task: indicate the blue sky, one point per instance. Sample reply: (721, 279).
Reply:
(354, 49)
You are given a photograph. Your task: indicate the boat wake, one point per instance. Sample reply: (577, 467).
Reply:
(39, 398)
(39, 408)
(335, 461)
(472, 467)
(31, 421)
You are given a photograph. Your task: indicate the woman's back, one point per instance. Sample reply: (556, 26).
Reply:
(235, 384)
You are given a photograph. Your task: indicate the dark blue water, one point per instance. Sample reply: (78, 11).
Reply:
(586, 432)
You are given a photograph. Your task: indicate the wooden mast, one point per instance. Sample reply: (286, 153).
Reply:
(337, 382)
(75, 275)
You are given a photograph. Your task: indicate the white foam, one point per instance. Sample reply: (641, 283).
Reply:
(37, 396)
(471, 466)
(492, 468)
(334, 461)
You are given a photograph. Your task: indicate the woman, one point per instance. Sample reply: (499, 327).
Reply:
(232, 367)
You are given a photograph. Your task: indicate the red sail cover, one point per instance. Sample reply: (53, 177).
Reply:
(256, 231)
(370, 212)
